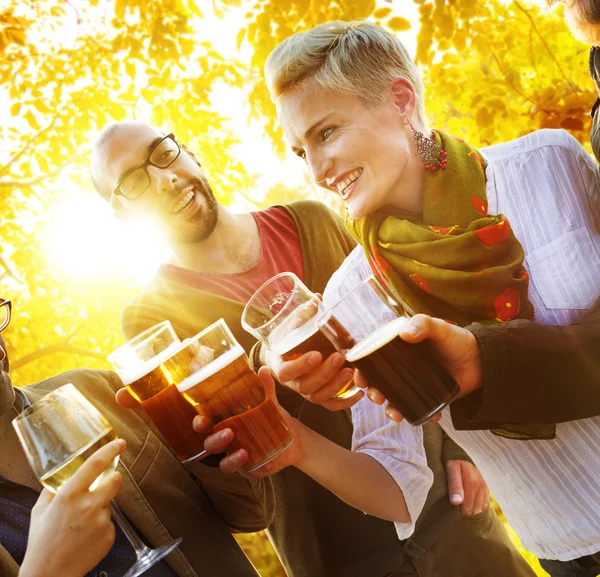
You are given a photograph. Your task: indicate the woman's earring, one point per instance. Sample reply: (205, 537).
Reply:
(431, 154)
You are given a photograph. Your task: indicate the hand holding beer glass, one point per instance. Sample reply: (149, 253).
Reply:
(58, 434)
(225, 390)
(282, 315)
(364, 325)
(150, 366)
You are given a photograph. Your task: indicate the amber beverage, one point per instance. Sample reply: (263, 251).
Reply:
(150, 377)
(229, 394)
(283, 314)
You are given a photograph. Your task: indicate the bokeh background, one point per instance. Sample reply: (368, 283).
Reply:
(493, 71)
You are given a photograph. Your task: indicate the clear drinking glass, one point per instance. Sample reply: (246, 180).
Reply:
(223, 388)
(58, 434)
(364, 327)
(282, 315)
(150, 367)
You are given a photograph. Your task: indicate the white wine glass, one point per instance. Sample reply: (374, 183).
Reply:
(58, 433)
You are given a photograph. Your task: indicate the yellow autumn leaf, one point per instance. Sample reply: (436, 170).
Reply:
(398, 24)
(381, 13)
(483, 117)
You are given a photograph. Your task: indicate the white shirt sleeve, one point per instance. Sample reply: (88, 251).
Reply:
(398, 447)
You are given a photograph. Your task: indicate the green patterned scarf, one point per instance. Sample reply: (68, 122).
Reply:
(455, 261)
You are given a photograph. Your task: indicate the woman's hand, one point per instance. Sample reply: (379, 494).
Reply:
(356, 478)
(467, 487)
(315, 378)
(72, 531)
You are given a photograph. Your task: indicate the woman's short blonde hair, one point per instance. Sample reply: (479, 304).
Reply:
(357, 58)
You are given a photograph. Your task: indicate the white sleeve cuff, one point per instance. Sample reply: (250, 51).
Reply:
(398, 447)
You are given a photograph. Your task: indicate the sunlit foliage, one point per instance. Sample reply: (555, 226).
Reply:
(493, 70)
(497, 70)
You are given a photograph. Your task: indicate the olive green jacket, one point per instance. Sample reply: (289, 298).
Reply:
(160, 497)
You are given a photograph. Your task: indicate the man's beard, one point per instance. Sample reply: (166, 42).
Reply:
(201, 228)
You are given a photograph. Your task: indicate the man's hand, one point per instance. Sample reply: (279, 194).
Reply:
(317, 380)
(219, 442)
(72, 531)
(466, 487)
(456, 348)
(126, 399)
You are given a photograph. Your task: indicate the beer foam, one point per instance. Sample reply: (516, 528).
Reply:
(297, 336)
(210, 369)
(145, 367)
(377, 339)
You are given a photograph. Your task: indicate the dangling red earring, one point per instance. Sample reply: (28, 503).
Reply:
(431, 154)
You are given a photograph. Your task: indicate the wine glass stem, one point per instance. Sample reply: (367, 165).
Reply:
(140, 549)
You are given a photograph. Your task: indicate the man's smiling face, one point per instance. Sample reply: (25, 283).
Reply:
(178, 195)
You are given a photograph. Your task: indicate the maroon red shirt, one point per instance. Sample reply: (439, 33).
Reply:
(280, 252)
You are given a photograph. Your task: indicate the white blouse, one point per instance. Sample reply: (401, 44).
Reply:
(548, 187)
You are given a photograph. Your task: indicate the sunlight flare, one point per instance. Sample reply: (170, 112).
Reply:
(85, 242)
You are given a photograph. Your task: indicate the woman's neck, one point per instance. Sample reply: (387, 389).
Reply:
(409, 195)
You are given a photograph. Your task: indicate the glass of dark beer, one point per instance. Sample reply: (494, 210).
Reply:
(282, 314)
(364, 327)
(150, 366)
(224, 389)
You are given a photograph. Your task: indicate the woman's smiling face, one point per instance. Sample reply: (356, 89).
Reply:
(359, 152)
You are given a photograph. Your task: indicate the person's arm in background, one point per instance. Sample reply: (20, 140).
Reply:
(72, 531)
(319, 381)
(534, 374)
(380, 479)
(517, 372)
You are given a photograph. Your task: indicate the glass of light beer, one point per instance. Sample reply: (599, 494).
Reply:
(282, 314)
(226, 391)
(364, 327)
(150, 366)
(58, 434)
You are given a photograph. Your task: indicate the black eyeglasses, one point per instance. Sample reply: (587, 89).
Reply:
(137, 180)
(5, 310)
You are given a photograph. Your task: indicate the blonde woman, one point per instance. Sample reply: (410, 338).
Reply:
(350, 102)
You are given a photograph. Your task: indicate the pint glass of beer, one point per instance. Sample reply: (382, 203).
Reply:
(282, 314)
(409, 375)
(150, 367)
(225, 390)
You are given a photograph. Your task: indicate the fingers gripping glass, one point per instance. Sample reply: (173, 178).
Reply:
(364, 327)
(283, 314)
(5, 310)
(58, 434)
(137, 180)
(223, 388)
(150, 366)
